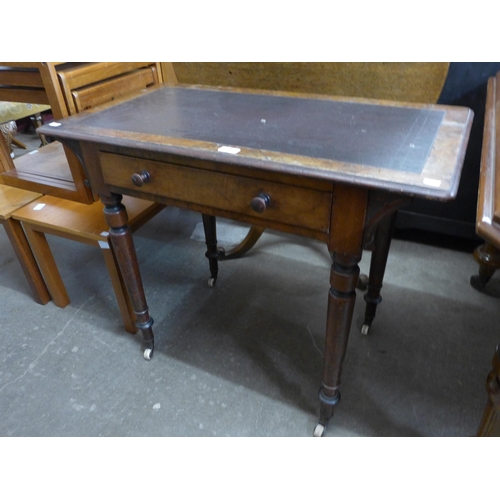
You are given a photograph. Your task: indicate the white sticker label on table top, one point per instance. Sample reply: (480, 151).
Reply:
(39, 206)
(229, 149)
(432, 182)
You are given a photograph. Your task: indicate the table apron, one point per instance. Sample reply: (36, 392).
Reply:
(290, 205)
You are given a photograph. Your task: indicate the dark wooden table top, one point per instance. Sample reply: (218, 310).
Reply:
(408, 148)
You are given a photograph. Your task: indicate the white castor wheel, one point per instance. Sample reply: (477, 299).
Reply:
(148, 354)
(365, 329)
(319, 430)
(211, 282)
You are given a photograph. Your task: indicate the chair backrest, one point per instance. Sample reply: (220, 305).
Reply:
(86, 85)
(411, 82)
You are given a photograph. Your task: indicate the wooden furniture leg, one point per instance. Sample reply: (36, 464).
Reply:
(12, 199)
(48, 266)
(27, 260)
(123, 245)
(210, 228)
(38, 122)
(55, 284)
(254, 233)
(341, 299)
(378, 263)
(84, 224)
(346, 247)
(490, 421)
(18, 143)
(124, 304)
(488, 258)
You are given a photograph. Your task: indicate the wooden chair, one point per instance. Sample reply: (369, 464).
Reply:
(38, 83)
(410, 82)
(12, 199)
(85, 224)
(68, 88)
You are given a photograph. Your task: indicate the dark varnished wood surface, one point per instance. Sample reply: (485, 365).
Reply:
(488, 228)
(413, 148)
(488, 214)
(488, 207)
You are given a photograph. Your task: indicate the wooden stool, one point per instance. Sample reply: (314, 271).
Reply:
(86, 224)
(11, 199)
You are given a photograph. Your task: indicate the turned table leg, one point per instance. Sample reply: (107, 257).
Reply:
(383, 238)
(123, 246)
(212, 254)
(341, 299)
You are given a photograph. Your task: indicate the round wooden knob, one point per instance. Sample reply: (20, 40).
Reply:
(260, 202)
(143, 178)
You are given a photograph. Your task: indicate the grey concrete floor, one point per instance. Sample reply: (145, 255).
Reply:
(243, 358)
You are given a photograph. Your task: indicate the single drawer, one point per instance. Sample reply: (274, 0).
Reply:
(263, 199)
(108, 90)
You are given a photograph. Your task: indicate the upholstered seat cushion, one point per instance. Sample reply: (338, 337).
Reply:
(17, 110)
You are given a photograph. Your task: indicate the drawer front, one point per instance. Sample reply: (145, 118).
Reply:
(103, 92)
(281, 203)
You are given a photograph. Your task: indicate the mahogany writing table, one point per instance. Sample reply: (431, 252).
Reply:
(333, 169)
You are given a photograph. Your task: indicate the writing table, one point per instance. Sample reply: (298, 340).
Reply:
(332, 169)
